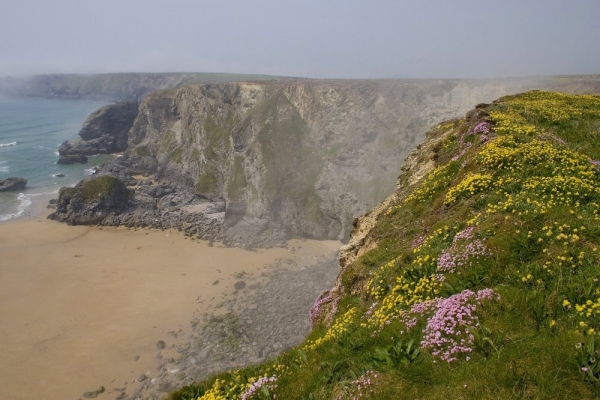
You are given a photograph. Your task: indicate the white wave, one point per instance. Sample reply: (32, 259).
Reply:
(90, 171)
(8, 144)
(24, 202)
(56, 153)
(4, 169)
(43, 193)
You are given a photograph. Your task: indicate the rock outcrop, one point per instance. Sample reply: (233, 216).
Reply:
(91, 201)
(284, 159)
(66, 158)
(12, 184)
(114, 121)
(104, 132)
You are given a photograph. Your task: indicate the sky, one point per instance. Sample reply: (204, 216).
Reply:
(317, 39)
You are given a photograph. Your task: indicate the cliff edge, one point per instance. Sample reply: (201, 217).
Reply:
(477, 279)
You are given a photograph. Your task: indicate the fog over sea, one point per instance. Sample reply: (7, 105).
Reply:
(31, 130)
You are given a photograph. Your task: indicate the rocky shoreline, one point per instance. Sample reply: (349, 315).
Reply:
(143, 203)
(137, 198)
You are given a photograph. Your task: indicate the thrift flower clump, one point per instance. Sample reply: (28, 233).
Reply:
(258, 384)
(363, 386)
(448, 333)
(459, 254)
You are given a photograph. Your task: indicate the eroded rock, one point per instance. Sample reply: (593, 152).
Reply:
(104, 132)
(91, 200)
(12, 184)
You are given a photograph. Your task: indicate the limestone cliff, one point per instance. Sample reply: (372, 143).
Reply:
(288, 159)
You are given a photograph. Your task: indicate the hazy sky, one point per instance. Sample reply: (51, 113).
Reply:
(321, 39)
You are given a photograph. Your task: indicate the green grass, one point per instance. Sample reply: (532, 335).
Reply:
(207, 182)
(100, 187)
(217, 132)
(142, 151)
(237, 179)
(536, 215)
(177, 156)
(167, 142)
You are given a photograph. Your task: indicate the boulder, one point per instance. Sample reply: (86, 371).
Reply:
(92, 200)
(66, 159)
(12, 184)
(101, 145)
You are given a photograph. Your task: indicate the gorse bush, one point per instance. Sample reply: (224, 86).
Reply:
(482, 280)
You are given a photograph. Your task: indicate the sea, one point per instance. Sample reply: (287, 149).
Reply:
(31, 130)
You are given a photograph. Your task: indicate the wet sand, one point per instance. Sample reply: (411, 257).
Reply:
(84, 307)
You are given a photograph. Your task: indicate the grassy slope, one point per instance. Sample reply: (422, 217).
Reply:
(514, 210)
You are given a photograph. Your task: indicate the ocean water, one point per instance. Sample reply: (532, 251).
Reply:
(31, 130)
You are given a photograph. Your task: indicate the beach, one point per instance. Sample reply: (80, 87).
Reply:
(89, 307)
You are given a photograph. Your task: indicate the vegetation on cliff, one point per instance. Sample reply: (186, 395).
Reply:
(482, 276)
(91, 200)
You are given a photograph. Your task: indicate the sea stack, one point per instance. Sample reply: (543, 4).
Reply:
(12, 184)
(104, 132)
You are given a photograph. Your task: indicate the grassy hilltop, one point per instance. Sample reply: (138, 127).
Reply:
(478, 280)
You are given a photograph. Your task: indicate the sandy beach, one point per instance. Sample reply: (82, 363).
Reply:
(83, 307)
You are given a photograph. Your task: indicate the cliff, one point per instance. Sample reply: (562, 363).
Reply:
(476, 279)
(271, 161)
(105, 131)
(111, 87)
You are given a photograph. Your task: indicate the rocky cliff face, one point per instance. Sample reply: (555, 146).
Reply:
(286, 159)
(104, 131)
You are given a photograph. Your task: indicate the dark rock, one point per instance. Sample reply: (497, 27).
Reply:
(114, 120)
(240, 285)
(103, 132)
(12, 184)
(80, 147)
(158, 191)
(66, 159)
(160, 345)
(92, 200)
(59, 175)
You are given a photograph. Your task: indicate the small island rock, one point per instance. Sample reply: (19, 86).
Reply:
(12, 184)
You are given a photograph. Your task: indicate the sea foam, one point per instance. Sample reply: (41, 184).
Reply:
(24, 202)
(8, 144)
